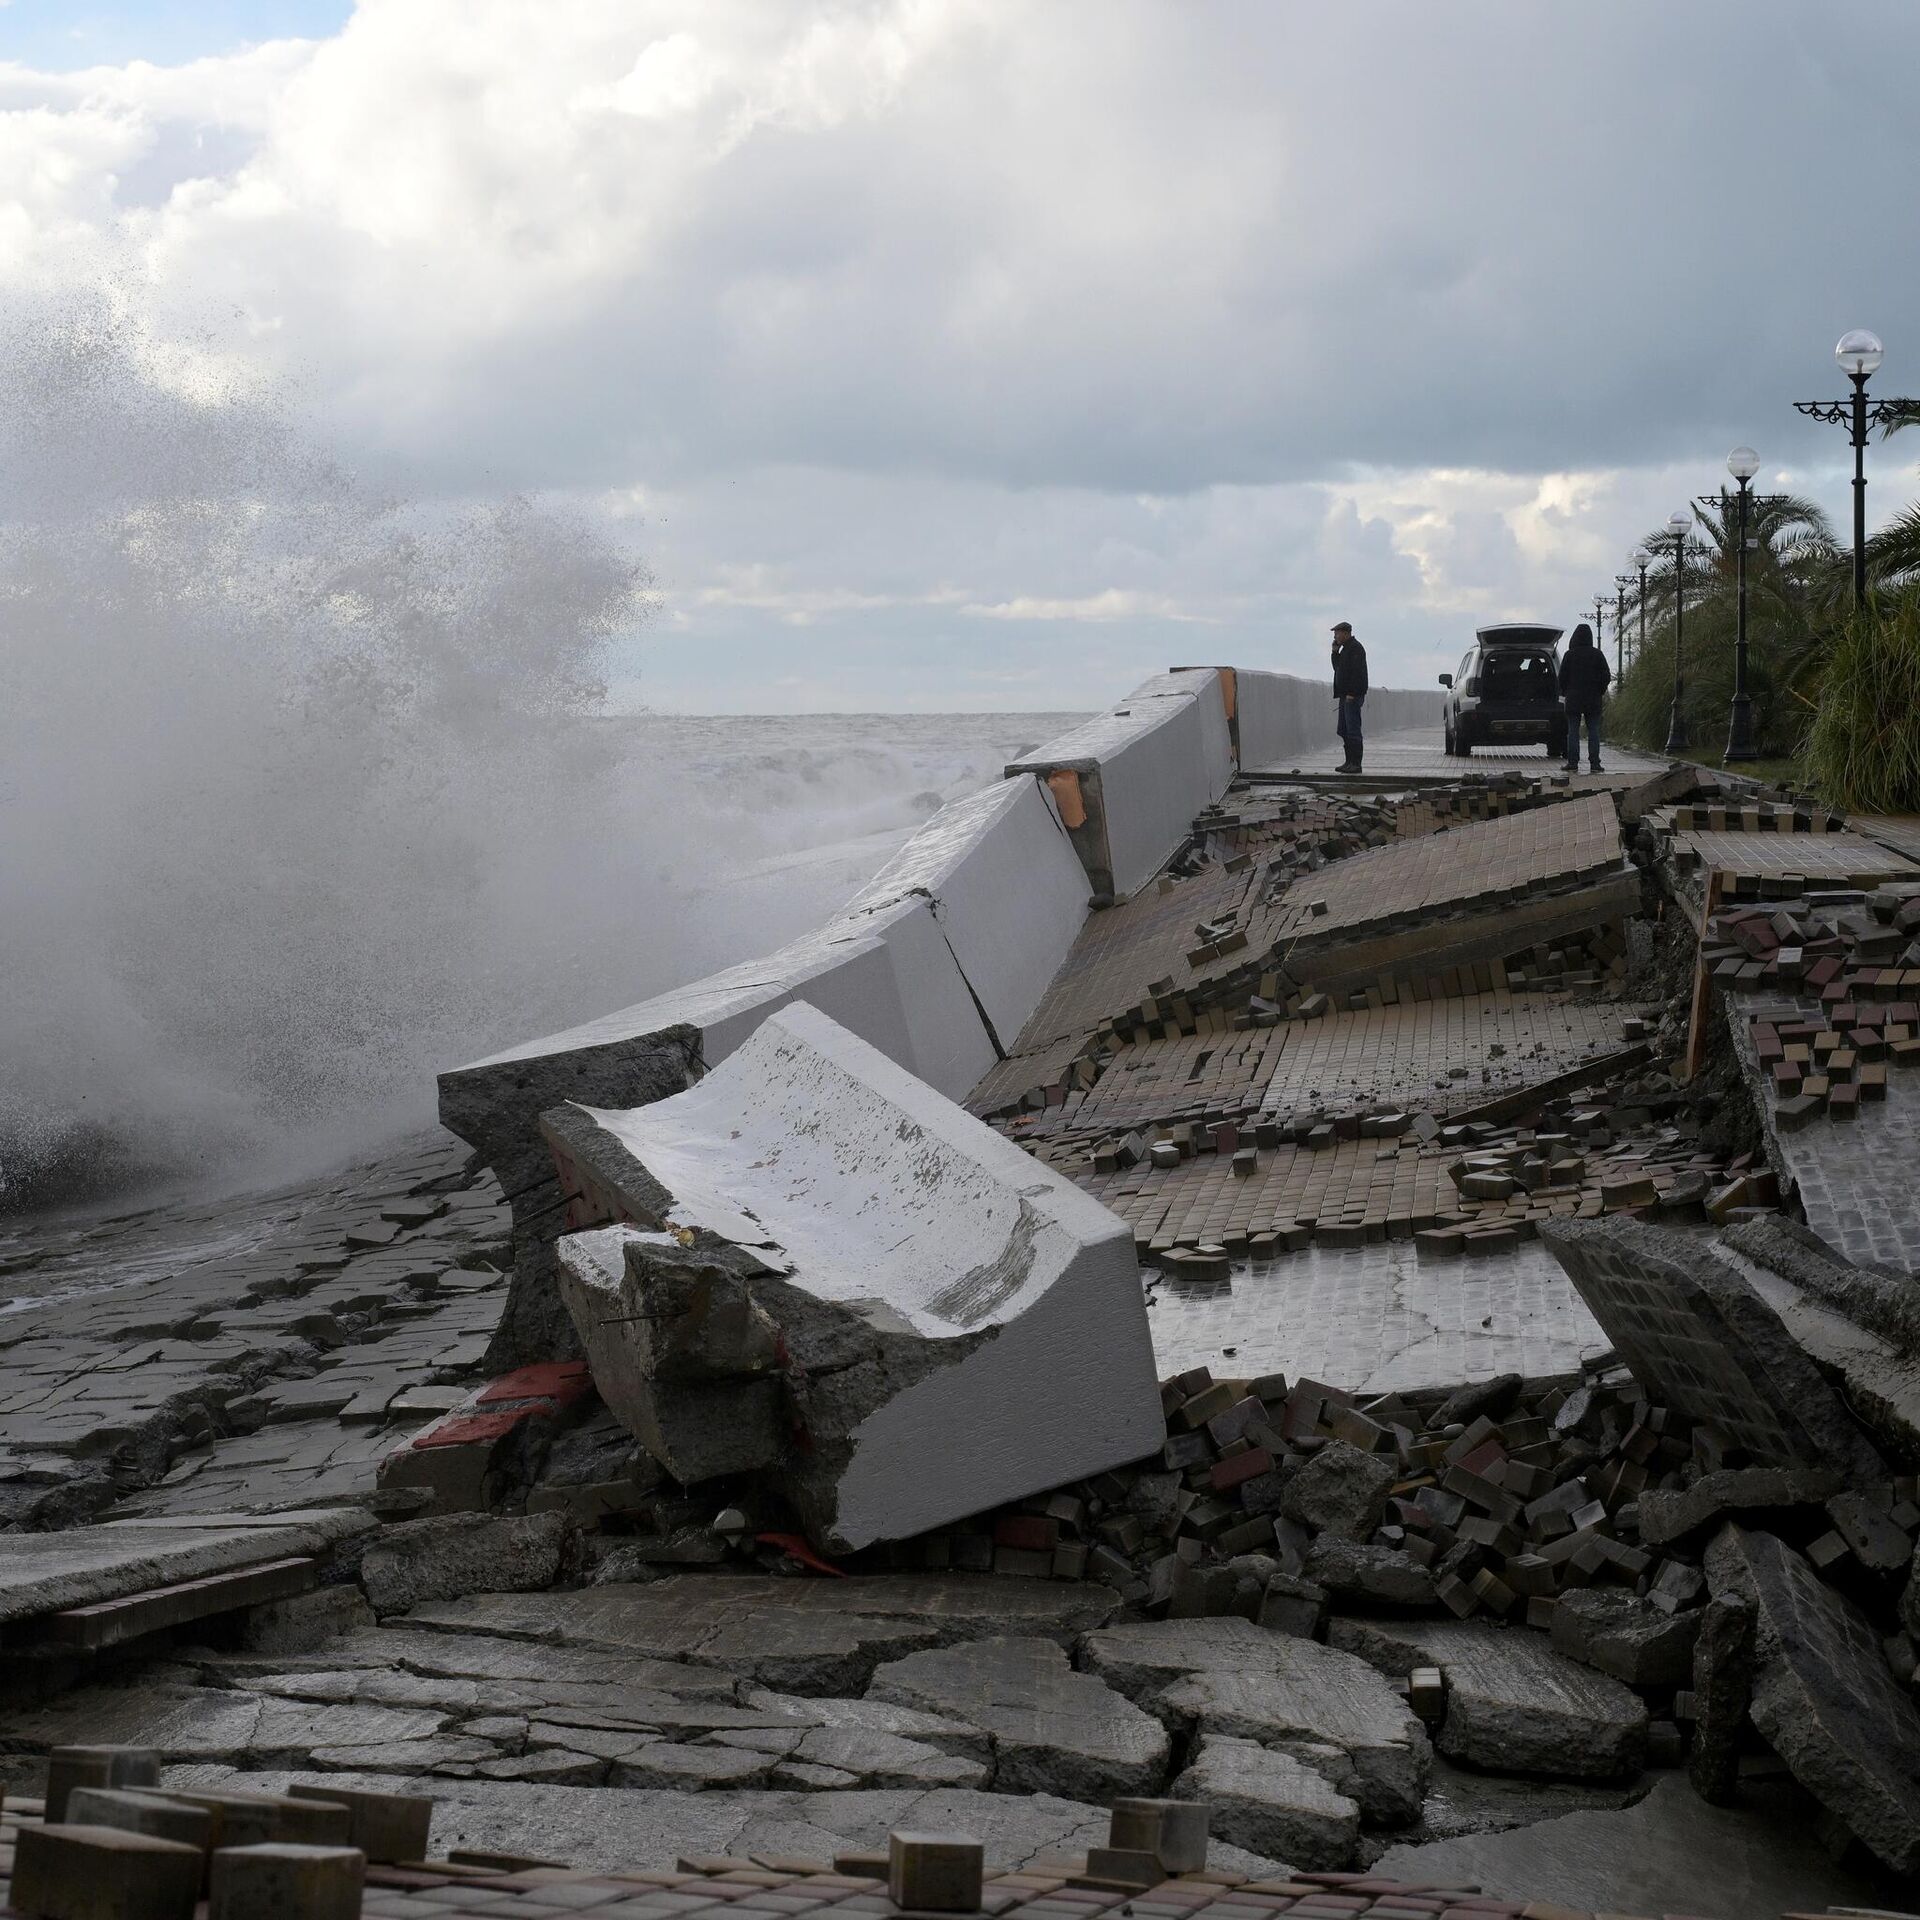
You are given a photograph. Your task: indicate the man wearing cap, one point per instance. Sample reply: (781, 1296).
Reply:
(1349, 691)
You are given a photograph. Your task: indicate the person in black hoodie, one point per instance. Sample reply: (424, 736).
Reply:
(1349, 693)
(1584, 679)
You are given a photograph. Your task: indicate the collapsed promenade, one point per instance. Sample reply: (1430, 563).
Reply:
(1382, 1307)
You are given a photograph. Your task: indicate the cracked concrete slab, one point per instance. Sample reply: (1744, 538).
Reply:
(1053, 1729)
(806, 1637)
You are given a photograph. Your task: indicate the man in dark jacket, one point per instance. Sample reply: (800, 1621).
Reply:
(1349, 692)
(1584, 679)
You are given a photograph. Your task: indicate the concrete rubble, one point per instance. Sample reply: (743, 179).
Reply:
(764, 1458)
(839, 1279)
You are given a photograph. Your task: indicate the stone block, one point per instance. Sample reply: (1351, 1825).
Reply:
(285, 1883)
(386, 1827)
(243, 1819)
(1513, 1704)
(70, 1767)
(1702, 1341)
(450, 1554)
(1358, 1571)
(1174, 1832)
(837, 1276)
(153, 1814)
(70, 1872)
(935, 1872)
(1233, 1679)
(1823, 1697)
(305, 1622)
(1723, 1661)
(1054, 1730)
(1667, 1515)
(1289, 1604)
(1615, 1631)
(1273, 1803)
(1339, 1490)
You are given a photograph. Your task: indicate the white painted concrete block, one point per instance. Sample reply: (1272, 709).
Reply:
(1286, 722)
(960, 1325)
(889, 975)
(1007, 891)
(1143, 771)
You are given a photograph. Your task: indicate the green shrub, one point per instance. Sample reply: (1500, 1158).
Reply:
(1864, 746)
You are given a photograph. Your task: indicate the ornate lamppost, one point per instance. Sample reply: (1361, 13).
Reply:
(1743, 463)
(1679, 524)
(1859, 354)
(1621, 581)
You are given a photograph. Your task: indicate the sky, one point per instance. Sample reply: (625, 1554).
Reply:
(970, 354)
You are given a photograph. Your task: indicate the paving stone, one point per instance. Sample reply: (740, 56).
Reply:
(285, 1882)
(1513, 1704)
(1054, 1730)
(1272, 1803)
(102, 1873)
(1701, 1340)
(1823, 1697)
(1232, 1678)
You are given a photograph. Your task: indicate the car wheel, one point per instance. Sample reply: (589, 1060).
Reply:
(1463, 740)
(1557, 741)
(1450, 746)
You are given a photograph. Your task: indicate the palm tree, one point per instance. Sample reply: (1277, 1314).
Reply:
(1791, 558)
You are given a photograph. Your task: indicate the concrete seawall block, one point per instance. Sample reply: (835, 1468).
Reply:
(1006, 889)
(1141, 772)
(1284, 721)
(821, 1245)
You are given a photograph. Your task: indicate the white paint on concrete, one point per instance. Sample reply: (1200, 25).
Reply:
(1006, 888)
(1146, 768)
(1287, 722)
(878, 1196)
(888, 975)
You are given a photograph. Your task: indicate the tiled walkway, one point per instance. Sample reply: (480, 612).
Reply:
(279, 1364)
(1420, 754)
(1437, 1056)
(1488, 861)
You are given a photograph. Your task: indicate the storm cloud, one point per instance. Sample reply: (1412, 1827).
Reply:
(959, 352)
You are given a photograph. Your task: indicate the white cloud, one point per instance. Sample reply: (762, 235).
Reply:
(1088, 317)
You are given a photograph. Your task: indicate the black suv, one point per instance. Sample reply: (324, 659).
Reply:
(1507, 692)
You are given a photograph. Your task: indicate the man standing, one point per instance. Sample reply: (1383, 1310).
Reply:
(1349, 692)
(1584, 679)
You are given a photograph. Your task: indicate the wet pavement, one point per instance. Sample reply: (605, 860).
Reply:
(1377, 1319)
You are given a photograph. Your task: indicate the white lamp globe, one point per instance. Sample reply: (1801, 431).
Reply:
(1679, 523)
(1859, 352)
(1743, 463)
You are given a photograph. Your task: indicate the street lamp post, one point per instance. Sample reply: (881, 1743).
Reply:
(1641, 559)
(1679, 524)
(1743, 463)
(1859, 354)
(1600, 621)
(1620, 584)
